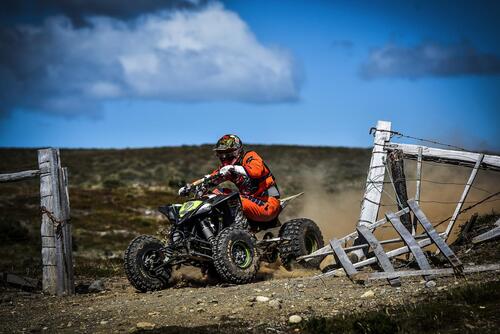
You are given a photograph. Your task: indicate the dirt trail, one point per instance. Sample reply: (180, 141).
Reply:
(199, 309)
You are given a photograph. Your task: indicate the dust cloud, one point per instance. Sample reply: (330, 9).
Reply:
(337, 213)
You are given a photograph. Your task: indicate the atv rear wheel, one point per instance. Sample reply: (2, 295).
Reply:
(142, 257)
(235, 255)
(304, 237)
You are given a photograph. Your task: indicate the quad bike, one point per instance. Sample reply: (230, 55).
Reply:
(211, 232)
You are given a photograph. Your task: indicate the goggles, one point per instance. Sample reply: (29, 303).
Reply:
(226, 155)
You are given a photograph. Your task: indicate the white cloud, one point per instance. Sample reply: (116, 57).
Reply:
(204, 55)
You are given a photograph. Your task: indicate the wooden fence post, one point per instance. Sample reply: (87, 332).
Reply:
(54, 201)
(67, 233)
(396, 167)
(374, 181)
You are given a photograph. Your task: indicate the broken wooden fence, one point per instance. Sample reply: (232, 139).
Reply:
(57, 256)
(387, 159)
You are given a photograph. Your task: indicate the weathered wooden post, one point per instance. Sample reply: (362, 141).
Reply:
(55, 231)
(396, 167)
(67, 233)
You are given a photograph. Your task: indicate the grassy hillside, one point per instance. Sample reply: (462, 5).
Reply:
(170, 167)
(114, 194)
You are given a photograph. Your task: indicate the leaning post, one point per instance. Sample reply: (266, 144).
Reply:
(396, 167)
(375, 180)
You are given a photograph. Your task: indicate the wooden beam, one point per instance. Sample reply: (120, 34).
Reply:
(426, 272)
(20, 281)
(67, 239)
(327, 249)
(446, 156)
(12, 177)
(378, 250)
(440, 243)
(460, 203)
(341, 257)
(491, 234)
(410, 242)
(398, 179)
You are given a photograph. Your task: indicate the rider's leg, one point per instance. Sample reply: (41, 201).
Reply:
(259, 210)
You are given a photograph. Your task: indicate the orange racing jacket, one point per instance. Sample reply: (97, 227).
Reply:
(260, 181)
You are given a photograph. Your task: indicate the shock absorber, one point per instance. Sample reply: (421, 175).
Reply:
(207, 230)
(175, 237)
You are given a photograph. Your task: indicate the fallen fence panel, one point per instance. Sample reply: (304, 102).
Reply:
(326, 250)
(434, 272)
(390, 254)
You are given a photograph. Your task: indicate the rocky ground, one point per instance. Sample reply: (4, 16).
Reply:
(278, 302)
(191, 306)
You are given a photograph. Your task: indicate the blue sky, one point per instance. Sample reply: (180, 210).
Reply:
(273, 72)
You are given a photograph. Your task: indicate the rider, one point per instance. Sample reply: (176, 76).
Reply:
(256, 184)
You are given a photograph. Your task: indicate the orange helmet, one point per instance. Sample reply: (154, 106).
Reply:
(229, 149)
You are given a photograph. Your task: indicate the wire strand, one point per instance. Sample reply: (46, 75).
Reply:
(469, 207)
(401, 135)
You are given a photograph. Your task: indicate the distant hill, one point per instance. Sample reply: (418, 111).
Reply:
(114, 195)
(170, 167)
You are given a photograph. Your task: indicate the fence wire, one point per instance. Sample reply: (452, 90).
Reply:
(376, 183)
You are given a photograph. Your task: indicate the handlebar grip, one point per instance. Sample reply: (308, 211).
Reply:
(197, 182)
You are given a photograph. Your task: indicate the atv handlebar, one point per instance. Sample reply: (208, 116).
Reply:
(199, 187)
(198, 182)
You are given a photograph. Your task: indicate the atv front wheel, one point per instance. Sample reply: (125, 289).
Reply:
(142, 261)
(235, 255)
(301, 237)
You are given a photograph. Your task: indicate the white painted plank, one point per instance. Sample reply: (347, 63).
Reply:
(491, 234)
(419, 175)
(434, 272)
(489, 161)
(463, 197)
